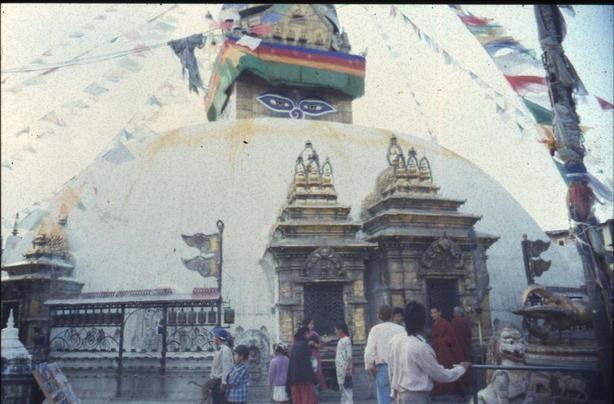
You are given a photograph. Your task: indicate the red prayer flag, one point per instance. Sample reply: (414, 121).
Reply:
(471, 20)
(522, 84)
(221, 24)
(261, 29)
(393, 11)
(604, 104)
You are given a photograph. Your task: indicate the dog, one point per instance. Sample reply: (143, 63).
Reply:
(206, 389)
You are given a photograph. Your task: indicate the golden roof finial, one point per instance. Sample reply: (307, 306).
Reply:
(412, 164)
(425, 170)
(327, 174)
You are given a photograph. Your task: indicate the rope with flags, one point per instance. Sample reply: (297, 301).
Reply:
(531, 88)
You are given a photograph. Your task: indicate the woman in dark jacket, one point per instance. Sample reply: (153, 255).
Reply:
(301, 376)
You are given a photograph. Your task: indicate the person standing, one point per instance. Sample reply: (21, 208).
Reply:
(301, 376)
(412, 364)
(343, 363)
(462, 330)
(238, 378)
(221, 366)
(315, 342)
(376, 352)
(278, 374)
(448, 351)
(397, 316)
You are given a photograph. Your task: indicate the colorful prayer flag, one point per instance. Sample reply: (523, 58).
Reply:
(53, 118)
(524, 84)
(95, 90)
(542, 115)
(261, 29)
(604, 104)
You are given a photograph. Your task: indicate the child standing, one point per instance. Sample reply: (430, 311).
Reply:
(343, 363)
(278, 374)
(238, 378)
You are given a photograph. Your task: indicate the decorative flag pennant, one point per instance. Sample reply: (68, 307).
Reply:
(118, 154)
(129, 64)
(132, 35)
(471, 20)
(140, 50)
(568, 9)
(542, 115)
(53, 118)
(21, 132)
(154, 101)
(249, 42)
(523, 84)
(162, 26)
(261, 29)
(604, 104)
(95, 90)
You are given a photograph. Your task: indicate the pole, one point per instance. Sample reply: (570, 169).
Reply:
(479, 296)
(220, 227)
(562, 80)
(163, 353)
(527, 260)
(479, 311)
(120, 355)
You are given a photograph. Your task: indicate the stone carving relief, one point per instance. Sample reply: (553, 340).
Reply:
(324, 263)
(443, 256)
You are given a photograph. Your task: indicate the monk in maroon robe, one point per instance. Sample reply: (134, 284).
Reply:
(448, 352)
(462, 329)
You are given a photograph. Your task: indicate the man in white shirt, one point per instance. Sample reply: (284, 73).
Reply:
(376, 352)
(412, 364)
(222, 364)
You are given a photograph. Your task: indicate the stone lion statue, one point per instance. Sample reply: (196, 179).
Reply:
(506, 387)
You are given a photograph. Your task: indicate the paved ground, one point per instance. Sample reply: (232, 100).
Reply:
(446, 399)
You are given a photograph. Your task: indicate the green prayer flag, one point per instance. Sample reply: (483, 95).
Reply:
(542, 115)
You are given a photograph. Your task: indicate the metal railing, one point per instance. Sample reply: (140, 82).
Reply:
(557, 369)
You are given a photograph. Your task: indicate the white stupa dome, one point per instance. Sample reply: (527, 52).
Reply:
(126, 212)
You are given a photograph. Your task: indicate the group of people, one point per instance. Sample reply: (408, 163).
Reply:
(300, 376)
(229, 377)
(409, 370)
(406, 368)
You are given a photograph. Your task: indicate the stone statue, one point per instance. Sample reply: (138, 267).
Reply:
(506, 386)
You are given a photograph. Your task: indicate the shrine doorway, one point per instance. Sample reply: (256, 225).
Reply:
(324, 304)
(443, 294)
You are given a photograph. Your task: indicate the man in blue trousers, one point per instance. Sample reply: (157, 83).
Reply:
(376, 352)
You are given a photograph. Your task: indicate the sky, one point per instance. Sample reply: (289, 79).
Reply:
(38, 157)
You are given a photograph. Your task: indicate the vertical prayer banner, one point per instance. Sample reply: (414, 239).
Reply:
(54, 384)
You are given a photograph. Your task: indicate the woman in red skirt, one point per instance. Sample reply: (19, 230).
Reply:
(301, 376)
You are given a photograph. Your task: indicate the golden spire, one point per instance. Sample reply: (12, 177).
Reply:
(327, 174)
(412, 164)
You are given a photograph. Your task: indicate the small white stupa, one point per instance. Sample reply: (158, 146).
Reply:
(15, 357)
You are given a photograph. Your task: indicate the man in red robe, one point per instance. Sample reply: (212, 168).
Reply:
(448, 352)
(462, 330)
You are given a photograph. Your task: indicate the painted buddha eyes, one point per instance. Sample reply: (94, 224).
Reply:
(309, 106)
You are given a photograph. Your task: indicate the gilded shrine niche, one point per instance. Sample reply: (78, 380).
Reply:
(319, 261)
(428, 251)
